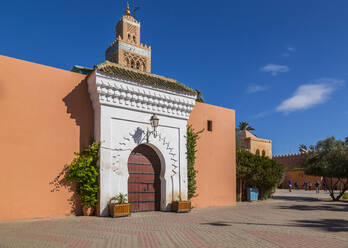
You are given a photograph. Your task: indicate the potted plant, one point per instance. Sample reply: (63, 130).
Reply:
(119, 206)
(84, 171)
(181, 206)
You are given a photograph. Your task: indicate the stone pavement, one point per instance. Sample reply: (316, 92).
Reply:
(291, 220)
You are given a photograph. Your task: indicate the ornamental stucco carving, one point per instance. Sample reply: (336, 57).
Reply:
(135, 139)
(118, 92)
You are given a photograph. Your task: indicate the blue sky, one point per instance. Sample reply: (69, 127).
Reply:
(282, 65)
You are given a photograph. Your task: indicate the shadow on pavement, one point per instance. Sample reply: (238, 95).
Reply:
(326, 207)
(329, 225)
(296, 198)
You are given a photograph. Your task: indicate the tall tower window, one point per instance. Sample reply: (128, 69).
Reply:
(127, 49)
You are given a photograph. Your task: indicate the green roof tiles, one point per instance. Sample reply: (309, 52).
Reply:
(143, 77)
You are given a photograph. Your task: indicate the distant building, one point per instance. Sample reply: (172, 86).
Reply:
(294, 171)
(255, 145)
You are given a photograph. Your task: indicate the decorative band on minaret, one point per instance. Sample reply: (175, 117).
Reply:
(127, 49)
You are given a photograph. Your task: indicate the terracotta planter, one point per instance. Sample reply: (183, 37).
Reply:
(87, 211)
(181, 206)
(119, 210)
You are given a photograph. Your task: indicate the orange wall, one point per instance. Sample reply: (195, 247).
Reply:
(216, 157)
(46, 115)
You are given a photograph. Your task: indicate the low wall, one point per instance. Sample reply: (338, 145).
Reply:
(46, 116)
(216, 157)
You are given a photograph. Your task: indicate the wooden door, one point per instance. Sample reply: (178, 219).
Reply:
(144, 186)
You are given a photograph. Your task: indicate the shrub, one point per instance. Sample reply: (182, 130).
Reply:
(259, 172)
(84, 171)
(191, 145)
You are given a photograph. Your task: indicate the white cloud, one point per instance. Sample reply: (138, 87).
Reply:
(256, 88)
(261, 114)
(275, 69)
(286, 54)
(309, 95)
(291, 49)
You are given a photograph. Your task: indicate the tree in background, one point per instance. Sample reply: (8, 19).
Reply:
(245, 126)
(329, 159)
(199, 97)
(302, 148)
(259, 172)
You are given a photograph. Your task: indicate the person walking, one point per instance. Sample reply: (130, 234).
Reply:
(290, 185)
(297, 187)
(305, 184)
(317, 187)
(310, 186)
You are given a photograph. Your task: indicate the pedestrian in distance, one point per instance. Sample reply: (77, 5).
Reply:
(310, 186)
(317, 187)
(290, 185)
(297, 186)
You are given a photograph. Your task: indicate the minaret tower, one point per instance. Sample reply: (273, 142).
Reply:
(127, 49)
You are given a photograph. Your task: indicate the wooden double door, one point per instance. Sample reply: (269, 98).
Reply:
(144, 185)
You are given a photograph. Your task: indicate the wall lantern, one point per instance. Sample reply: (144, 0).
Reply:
(154, 121)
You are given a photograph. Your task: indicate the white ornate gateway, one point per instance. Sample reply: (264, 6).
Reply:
(124, 99)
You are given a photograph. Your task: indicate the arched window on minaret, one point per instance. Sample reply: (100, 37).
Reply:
(134, 39)
(138, 65)
(127, 61)
(132, 63)
(129, 37)
(144, 67)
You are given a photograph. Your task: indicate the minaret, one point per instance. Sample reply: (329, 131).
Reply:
(127, 49)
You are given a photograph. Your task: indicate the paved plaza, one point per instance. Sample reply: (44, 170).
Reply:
(295, 219)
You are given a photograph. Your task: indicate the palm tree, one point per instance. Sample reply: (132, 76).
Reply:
(243, 125)
(199, 96)
(302, 148)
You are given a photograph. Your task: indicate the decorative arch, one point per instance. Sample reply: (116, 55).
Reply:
(165, 151)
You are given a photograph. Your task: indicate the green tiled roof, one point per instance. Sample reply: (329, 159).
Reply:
(143, 77)
(81, 69)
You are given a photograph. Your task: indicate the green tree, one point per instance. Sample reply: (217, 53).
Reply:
(329, 159)
(259, 171)
(302, 148)
(244, 126)
(199, 96)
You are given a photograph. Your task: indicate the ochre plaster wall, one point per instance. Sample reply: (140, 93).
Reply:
(46, 116)
(216, 157)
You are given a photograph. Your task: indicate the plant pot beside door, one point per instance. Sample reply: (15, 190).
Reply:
(87, 211)
(119, 206)
(181, 206)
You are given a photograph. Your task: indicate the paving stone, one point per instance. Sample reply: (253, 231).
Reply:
(290, 219)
